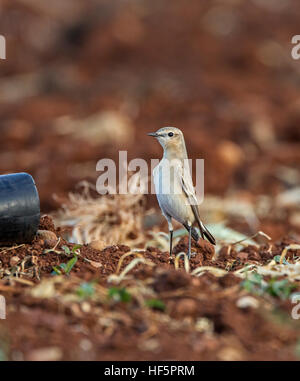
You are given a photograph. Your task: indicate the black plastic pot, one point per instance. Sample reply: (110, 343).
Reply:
(19, 209)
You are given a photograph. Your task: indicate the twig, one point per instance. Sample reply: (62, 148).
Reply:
(253, 236)
(11, 248)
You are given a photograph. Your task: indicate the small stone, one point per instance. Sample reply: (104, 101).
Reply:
(95, 264)
(14, 260)
(229, 354)
(98, 245)
(242, 256)
(86, 345)
(247, 301)
(49, 238)
(186, 307)
(204, 325)
(86, 307)
(45, 354)
(255, 256)
(76, 311)
(151, 345)
(196, 282)
(295, 219)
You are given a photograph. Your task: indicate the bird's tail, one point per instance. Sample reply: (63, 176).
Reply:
(205, 233)
(195, 234)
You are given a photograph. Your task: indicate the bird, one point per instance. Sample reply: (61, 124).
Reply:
(174, 186)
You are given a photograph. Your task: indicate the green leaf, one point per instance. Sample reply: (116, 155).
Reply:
(64, 268)
(256, 278)
(56, 270)
(86, 290)
(252, 283)
(255, 284)
(70, 264)
(280, 288)
(119, 294)
(156, 304)
(75, 247)
(66, 249)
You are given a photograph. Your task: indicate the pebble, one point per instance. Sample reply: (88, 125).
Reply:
(186, 307)
(247, 301)
(14, 260)
(98, 245)
(242, 256)
(45, 354)
(49, 238)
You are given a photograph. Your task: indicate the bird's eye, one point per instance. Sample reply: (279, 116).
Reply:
(170, 134)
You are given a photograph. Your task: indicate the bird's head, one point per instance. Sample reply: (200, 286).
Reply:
(170, 138)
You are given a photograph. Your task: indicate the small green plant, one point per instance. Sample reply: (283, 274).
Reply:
(65, 268)
(58, 270)
(86, 290)
(277, 288)
(66, 250)
(277, 260)
(280, 288)
(119, 294)
(74, 250)
(156, 304)
(253, 283)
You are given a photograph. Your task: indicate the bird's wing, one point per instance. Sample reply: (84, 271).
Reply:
(186, 182)
(189, 191)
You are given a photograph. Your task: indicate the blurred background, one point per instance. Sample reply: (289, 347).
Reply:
(84, 79)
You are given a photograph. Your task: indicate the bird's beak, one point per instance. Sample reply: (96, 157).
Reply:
(154, 134)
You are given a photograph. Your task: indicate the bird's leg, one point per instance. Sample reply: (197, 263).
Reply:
(171, 241)
(169, 219)
(190, 242)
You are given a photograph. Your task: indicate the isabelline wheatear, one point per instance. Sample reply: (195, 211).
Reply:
(174, 186)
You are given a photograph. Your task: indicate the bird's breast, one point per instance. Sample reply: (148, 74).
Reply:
(170, 195)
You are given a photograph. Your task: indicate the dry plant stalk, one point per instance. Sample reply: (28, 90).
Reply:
(113, 219)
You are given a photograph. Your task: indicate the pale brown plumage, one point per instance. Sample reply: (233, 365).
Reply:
(181, 205)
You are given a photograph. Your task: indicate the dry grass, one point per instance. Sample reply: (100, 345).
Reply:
(111, 219)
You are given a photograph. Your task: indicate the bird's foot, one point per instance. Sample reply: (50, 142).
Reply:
(193, 254)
